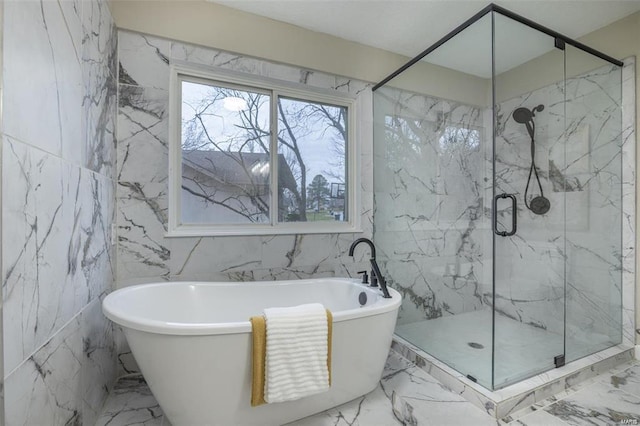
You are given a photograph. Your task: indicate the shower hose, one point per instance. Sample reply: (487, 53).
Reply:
(533, 169)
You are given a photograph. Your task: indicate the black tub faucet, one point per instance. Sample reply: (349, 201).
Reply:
(376, 275)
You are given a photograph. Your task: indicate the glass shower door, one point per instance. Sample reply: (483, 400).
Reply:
(528, 202)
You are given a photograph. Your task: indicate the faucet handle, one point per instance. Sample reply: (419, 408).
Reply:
(374, 279)
(365, 277)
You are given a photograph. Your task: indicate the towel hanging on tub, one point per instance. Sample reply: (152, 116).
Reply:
(291, 353)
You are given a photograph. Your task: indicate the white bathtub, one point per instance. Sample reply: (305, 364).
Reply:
(192, 342)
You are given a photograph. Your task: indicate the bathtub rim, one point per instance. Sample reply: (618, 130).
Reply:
(125, 319)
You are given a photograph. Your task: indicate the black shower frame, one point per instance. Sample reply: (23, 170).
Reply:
(560, 41)
(501, 10)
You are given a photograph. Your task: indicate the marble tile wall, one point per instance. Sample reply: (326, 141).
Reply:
(58, 165)
(431, 221)
(144, 254)
(432, 217)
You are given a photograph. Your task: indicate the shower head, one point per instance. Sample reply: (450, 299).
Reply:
(525, 115)
(522, 115)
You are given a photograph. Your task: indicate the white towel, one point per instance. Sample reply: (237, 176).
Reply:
(296, 352)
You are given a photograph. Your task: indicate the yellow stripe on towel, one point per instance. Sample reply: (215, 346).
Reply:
(259, 344)
(259, 333)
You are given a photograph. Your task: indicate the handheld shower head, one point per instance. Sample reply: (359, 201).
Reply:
(522, 115)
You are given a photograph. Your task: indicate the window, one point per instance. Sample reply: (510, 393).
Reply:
(229, 135)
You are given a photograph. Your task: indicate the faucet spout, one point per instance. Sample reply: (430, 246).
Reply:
(376, 275)
(366, 241)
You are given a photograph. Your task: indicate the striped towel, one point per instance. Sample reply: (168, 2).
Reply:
(297, 352)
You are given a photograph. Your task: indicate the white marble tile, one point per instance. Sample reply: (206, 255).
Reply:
(57, 214)
(126, 363)
(99, 59)
(98, 372)
(530, 394)
(143, 134)
(98, 125)
(143, 250)
(72, 11)
(94, 262)
(45, 388)
(37, 44)
(99, 33)
(627, 380)
(599, 404)
(19, 210)
(256, 67)
(53, 205)
(144, 60)
(131, 402)
(297, 250)
(36, 301)
(213, 259)
(539, 418)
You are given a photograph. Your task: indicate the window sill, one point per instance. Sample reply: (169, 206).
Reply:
(257, 230)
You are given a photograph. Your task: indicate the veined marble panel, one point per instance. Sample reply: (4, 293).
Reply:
(430, 213)
(45, 65)
(44, 388)
(257, 67)
(35, 303)
(68, 379)
(143, 60)
(99, 56)
(51, 205)
(98, 369)
(58, 206)
(143, 134)
(142, 218)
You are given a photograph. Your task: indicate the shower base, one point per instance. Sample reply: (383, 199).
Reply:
(500, 403)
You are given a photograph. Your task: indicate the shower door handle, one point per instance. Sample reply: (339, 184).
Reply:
(514, 215)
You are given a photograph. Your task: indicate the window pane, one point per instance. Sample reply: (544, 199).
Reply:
(225, 155)
(312, 141)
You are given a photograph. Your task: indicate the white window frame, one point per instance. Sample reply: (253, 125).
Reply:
(276, 88)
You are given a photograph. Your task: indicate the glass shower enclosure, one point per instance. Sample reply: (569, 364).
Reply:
(498, 198)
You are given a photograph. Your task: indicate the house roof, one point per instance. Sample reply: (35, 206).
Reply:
(238, 168)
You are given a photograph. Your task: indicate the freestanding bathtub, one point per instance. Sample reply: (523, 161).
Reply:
(192, 342)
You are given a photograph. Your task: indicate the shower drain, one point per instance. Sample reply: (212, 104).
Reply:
(475, 345)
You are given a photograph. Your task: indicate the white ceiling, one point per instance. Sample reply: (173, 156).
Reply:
(410, 26)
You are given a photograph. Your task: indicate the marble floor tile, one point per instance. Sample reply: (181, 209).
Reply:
(131, 403)
(627, 380)
(598, 404)
(539, 418)
(407, 395)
